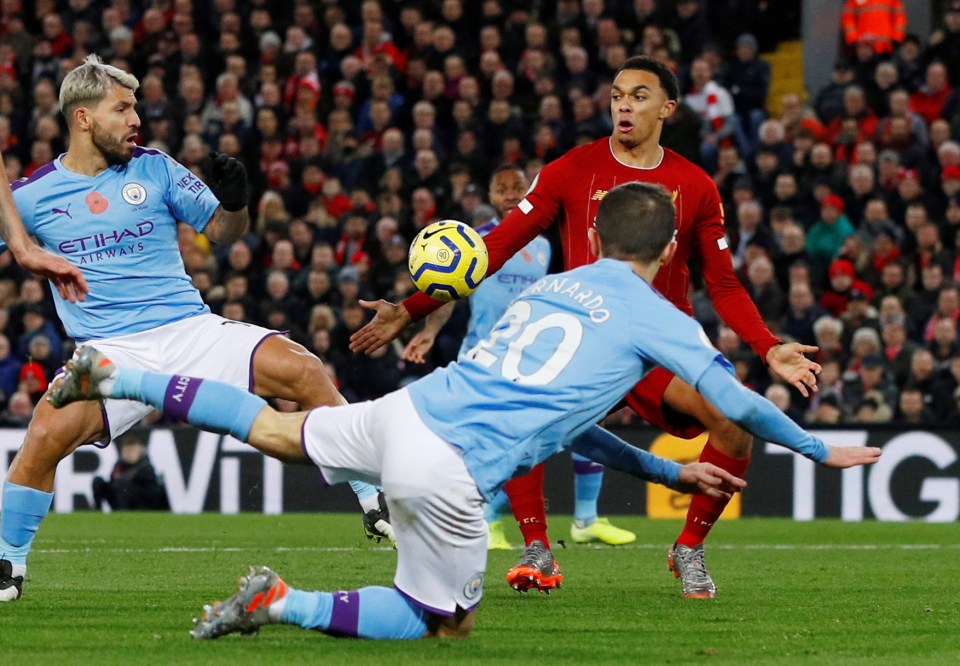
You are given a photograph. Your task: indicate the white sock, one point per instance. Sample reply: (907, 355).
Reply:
(370, 503)
(275, 609)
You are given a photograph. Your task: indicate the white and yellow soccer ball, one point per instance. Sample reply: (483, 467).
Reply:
(448, 260)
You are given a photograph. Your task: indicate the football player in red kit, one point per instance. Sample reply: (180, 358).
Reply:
(568, 192)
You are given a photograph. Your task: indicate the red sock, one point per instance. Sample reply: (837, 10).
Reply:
(704, 511)
(526, 500)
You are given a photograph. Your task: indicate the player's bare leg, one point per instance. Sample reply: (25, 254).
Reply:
(51, 436)
(284, 369)
(727, 447)
(458, 625)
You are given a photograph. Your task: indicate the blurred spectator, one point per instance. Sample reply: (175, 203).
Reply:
(872, 408)
(827, 330)
(748, 80)
(830, 100)
(714, 104)
(9, 370)
(133, 484)
(33, 380)
(930, 101)
(911, 409)
(801, 314)
(18, 412)
(764, 290)
(843, 285)
(691, 27)
(827, 412)
(869, 381)
(826, 237)
(779, 395)
(879, 23)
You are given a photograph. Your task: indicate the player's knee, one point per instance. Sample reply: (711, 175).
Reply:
(48, 437)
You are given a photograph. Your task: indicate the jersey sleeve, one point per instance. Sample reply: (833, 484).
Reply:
(535, 213)
(188, 197)
(729, 298)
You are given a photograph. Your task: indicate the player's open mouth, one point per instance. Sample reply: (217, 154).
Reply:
(624, 125)
(131, 141)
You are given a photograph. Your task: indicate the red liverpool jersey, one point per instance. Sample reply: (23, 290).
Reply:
(569, 190)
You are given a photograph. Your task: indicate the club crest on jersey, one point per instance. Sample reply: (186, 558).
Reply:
(134, 194)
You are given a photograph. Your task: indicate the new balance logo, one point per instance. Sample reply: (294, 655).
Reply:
(599, 195)
(61, 211)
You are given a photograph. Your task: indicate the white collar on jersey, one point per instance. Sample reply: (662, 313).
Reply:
(630, 166)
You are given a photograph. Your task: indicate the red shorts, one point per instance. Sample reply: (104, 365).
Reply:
(646, 399)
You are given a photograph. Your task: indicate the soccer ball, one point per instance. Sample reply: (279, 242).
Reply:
(448, 260)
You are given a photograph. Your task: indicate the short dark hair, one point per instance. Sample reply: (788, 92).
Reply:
(506, 166)
(668, 80)
(636, 221)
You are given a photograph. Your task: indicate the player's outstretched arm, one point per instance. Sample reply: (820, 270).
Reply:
(789, 361)
(420, 345)
(228, 181)
(602, 446)
(383, 328)
(758, 415)
(67, 278)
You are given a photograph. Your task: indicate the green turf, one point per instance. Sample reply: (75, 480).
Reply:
(121, 589)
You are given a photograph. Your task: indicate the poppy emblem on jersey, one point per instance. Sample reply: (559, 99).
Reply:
(96, 203)
(134, 194)
(474, 586)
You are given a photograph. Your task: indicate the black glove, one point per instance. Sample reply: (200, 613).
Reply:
(228, 180)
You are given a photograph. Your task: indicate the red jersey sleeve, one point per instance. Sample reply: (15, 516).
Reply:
(727, 294)
(537, 211)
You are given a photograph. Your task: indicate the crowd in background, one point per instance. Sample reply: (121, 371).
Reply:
(361, 122)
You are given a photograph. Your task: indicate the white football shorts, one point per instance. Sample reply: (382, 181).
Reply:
(206, 346)
(435, 508)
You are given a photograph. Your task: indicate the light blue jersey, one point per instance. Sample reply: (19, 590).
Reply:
(497, 291)
(120, 228)
(563, 354)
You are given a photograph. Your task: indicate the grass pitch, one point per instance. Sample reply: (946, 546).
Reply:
(122, 588)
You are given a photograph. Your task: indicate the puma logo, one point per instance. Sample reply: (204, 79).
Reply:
(61, 211)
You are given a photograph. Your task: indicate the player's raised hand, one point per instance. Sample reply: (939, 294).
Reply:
(710, 480)
(419, 346)
(67, 278)
(850, 456)
(384, 327)
(788, 361)
(228, 180)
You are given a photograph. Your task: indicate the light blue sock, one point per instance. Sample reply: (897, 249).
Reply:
(493, 508)
(370, 612)
(363, 490)
(205, 403)
(23, 510)
(587, 480)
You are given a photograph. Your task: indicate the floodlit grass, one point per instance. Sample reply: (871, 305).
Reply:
(122, 588)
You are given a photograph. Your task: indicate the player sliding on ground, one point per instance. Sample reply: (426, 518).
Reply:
(562, 355)
(567, 192)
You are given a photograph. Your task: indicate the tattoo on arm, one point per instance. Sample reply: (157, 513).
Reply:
(227, 226)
